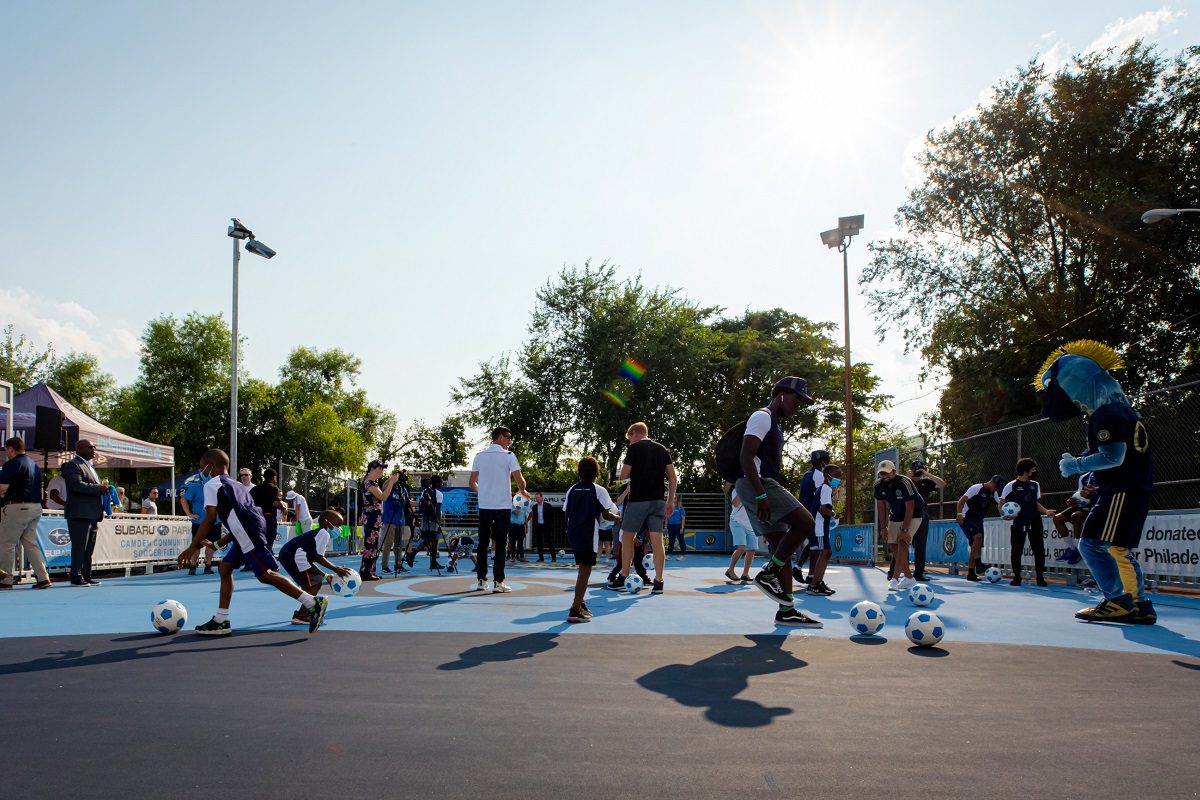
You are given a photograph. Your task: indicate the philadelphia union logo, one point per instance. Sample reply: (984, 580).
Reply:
(949, 543)
(837, 542)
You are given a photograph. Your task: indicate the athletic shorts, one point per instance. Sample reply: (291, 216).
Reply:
(606, 536)
(894, 527)
(214, 532)
(260, 559)
(972, 527)
(742, 536)
(585, 558)
(647, 513)
(781, 501)
(1117, 518)
(304, 578)
(818, 540)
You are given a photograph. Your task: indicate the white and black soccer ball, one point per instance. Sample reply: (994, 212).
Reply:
(1080, 500)
(924, 629)
(921, 595)
(867, 618)
(562, 553)
(168, 616)
(634, 584)
(993, 574)
(347, 586)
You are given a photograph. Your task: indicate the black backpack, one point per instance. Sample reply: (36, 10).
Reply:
(727, 455)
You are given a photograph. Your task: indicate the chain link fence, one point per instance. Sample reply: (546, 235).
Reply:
(323, 490)
(1172, 416)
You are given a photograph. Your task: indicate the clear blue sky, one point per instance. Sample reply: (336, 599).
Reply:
(423, 167)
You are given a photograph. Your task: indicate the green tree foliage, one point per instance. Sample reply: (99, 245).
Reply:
(81, 382)
(1025, 231)
(432, 448)
(702, 374)
(21, 363)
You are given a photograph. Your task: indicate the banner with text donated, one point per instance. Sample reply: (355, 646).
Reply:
(1170, 543)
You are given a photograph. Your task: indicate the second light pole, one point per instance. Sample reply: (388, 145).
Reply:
(237, 231)
(839, 237)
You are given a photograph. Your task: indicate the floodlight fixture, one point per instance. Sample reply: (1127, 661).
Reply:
(1159, 214)
(239, 231)
(850, 226)
(832, 238)
(259, 249)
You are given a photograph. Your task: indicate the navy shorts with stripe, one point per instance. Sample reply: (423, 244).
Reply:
(972, 527)
(1117, 518)
(260, 560)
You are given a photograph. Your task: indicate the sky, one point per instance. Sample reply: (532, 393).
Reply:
(423, 168)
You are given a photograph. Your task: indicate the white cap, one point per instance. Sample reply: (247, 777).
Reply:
(290, 495)
(885, 466)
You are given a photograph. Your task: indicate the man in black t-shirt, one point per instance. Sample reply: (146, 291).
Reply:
(897, 504)
(926, 483)
(650, 469)
(269, 499)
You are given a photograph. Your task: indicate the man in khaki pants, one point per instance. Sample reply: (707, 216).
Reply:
(20, 486)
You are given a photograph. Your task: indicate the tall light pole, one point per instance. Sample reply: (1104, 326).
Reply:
(237, 231)
(1159, 214)
(839, 237)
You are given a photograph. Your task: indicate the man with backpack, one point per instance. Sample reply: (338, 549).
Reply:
(750, 456)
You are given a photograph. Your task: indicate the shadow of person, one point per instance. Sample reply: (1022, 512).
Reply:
(713, 683)
(72, 659)
(525, 646)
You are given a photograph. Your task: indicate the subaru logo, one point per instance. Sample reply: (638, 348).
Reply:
(59, 536)
(163, 530)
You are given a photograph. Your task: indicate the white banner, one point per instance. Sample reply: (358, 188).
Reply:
(1170, 544)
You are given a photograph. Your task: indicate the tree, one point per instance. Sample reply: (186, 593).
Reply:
(81, 382)
(21, 363)
(432, 448)
(1025, 231)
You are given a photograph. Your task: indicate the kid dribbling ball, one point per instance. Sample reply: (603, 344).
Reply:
(924, 629)
(347, 586)
(867, 618)
(168, 616)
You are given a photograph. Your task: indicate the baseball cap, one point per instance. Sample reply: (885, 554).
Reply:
(290, 495)
(374, 464)
(917, 464)
(885, 466)
(997, 481)
(795, 385)
(818, 455)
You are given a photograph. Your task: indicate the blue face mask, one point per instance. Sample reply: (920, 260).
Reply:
(835, 482)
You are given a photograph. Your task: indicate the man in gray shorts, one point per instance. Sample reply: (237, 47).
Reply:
(774, 512)
(648, 466)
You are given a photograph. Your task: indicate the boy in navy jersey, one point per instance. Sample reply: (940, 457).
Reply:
(1027, 523)
(301, 555)
(229, 501)
(584, 505)
(973, 506)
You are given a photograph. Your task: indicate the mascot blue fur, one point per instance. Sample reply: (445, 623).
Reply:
(1076, 380)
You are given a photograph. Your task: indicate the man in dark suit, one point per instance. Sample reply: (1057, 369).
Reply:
(83, 511)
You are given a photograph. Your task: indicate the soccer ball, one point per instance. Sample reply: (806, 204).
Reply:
(521, 503)
(633, 584)
(924, 629)
(867, 618)
(648, 562)
(921, 595)
(345, 587)
(833, 523)
(606, 524)
(993, 574)
(168, 616)
(1080, 500)
(562, 553)
(1010, 509)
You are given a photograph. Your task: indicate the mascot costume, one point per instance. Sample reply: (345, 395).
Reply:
(1076, 380)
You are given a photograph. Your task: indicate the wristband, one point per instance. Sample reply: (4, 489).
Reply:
(762, 496)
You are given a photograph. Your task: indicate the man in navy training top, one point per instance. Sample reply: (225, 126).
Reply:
(301, 554)
(973, 506)
(584, 506)
(1027, 523)
(21, 488)
(926, 483)
(777, 514)
(229, 501)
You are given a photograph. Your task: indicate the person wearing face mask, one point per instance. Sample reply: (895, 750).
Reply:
(818, 543)
(1027, 493)
(926, 483)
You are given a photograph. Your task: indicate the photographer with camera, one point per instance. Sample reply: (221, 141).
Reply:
(397, 521)
(371, 515)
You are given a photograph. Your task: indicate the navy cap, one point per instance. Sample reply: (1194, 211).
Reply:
(998, 481)
(818, 455)
(795, 385)
(917, 464)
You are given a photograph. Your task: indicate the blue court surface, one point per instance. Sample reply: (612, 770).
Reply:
(698, 601)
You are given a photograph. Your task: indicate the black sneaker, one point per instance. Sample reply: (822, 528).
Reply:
(1144, 613)
(192, 571)
(412, 558)
(214, 628)
(208, 570)
(656, 587)
(770, 586)
(615, 585)
(793, 618)
(971, 576)
(317, 613)
(797, 574)
(587, 612)
(436, 565)
(400, 568)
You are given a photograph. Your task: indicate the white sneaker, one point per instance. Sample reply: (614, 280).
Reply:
(893, 585)
(907, 583)
(500, 587)
(481, 586)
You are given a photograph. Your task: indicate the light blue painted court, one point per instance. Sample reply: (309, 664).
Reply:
(697, 601)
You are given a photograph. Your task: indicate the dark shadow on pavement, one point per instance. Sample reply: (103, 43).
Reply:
(71, 659)
(1185, 664)
(1160, 637)
(870, 640)
(928, 652)
(526, 646)
(713, 683)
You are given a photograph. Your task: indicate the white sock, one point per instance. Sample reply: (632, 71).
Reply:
(222, 615)
(307, 600)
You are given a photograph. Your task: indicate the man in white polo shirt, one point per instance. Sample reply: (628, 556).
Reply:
(492, 472)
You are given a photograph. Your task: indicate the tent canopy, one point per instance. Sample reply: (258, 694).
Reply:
(113, 448)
